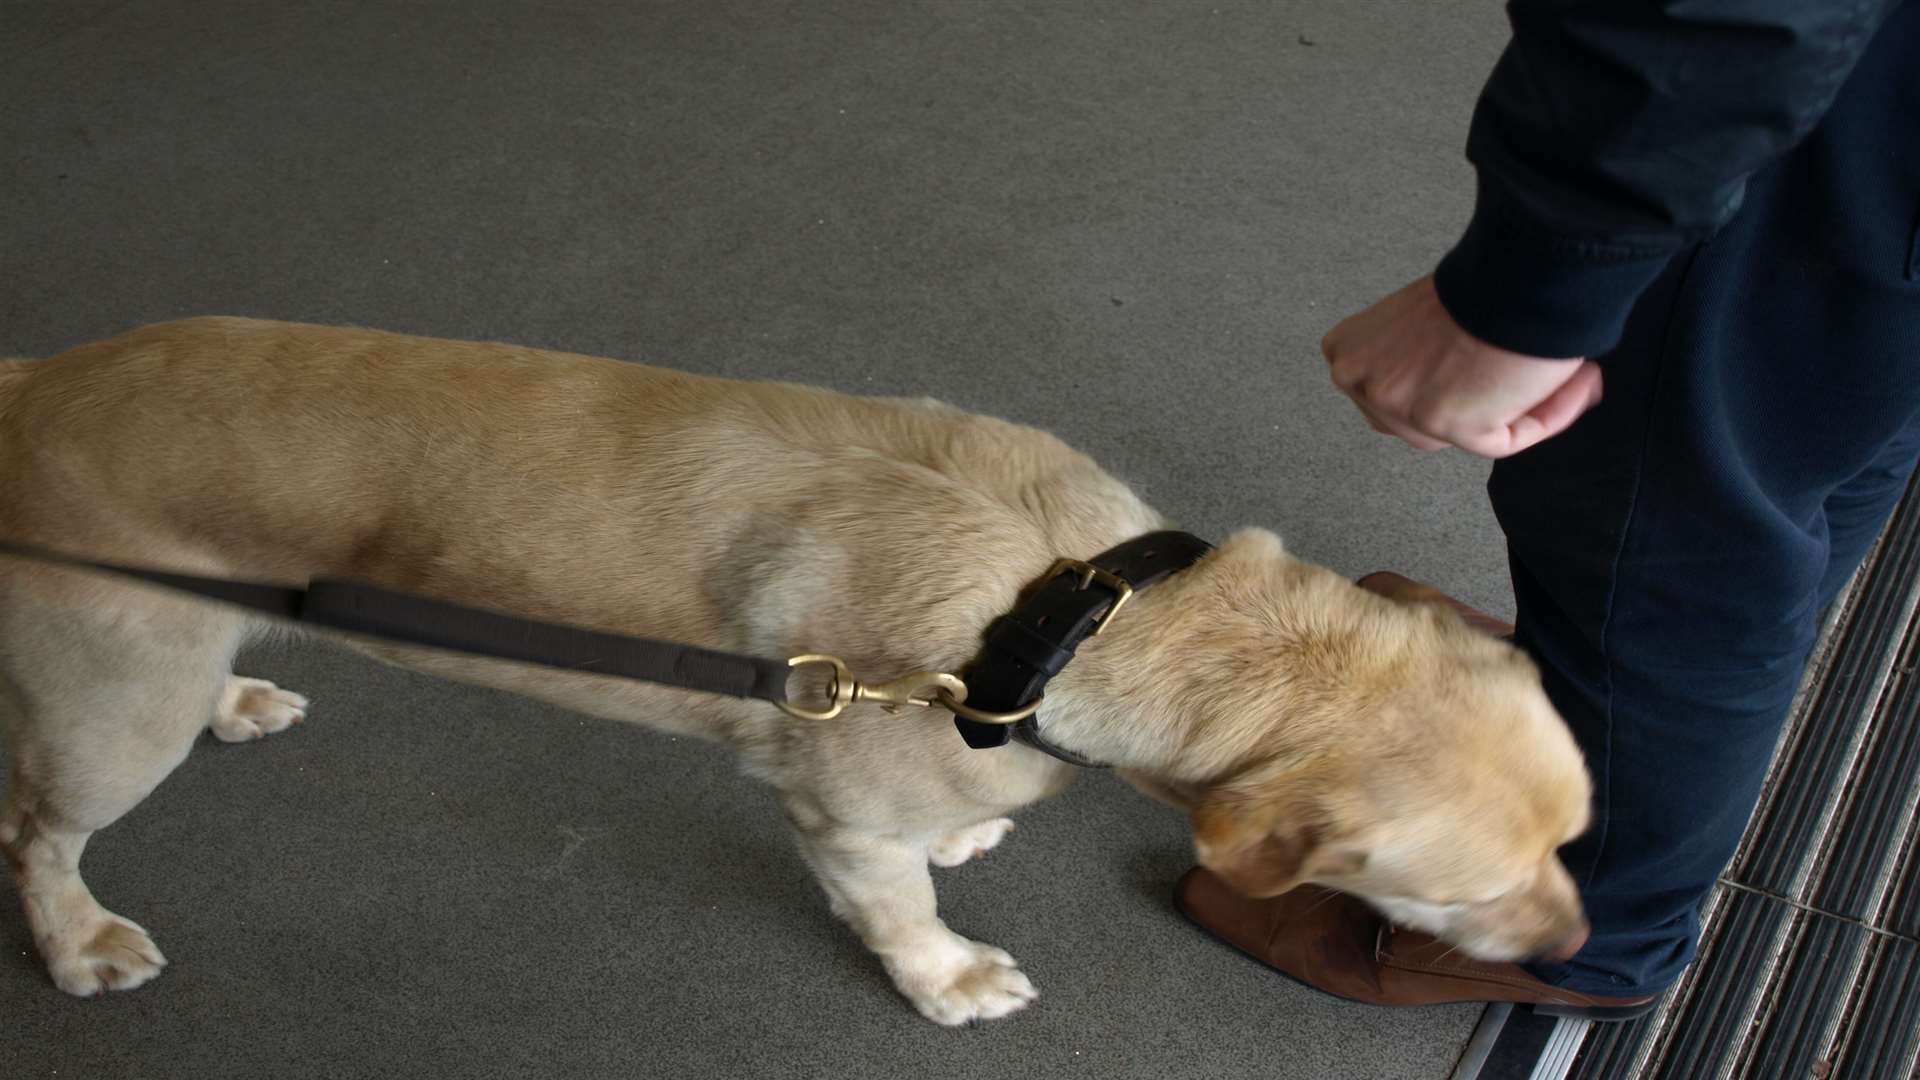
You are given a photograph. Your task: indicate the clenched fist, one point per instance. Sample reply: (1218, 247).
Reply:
(1416, 374)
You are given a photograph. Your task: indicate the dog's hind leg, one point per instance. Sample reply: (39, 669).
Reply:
(102, 690)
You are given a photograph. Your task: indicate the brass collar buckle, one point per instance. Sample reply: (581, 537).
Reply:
(1088, 574)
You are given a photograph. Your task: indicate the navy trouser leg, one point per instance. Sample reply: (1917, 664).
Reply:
(1858, 511)
(1672, 552)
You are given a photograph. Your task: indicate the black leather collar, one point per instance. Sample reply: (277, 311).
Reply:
(1032, 643)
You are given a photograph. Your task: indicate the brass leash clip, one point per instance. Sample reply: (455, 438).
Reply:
(922, 689)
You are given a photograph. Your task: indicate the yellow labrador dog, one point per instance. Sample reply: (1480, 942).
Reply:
(1314, 731)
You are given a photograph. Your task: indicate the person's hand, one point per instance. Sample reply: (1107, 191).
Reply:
(1416, 374)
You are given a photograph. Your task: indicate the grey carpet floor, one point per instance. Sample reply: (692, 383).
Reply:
(1128, 223)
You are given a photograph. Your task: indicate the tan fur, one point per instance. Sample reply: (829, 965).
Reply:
(1315, 731)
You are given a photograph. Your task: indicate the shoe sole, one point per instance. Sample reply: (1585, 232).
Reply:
(1599, 1014)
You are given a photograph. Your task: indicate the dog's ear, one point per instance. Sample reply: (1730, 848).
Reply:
(1266, 835)
(1256, 861)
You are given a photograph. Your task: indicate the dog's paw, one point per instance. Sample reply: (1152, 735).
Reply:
(963, 982)
(113, 955)
(253, 708)
(968, 843)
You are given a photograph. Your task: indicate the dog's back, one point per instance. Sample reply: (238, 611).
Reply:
(13, 371)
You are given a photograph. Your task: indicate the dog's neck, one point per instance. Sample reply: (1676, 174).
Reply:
(1121, 731)
(1103, 732)
(1143, 698)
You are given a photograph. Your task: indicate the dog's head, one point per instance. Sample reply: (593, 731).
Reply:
(1464, 849)
(1378, 747)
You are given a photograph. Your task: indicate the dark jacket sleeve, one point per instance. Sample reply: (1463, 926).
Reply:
(1614, 133)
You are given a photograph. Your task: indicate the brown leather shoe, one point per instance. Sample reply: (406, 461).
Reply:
(1338, 945)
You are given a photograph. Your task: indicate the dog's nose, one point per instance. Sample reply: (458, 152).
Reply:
(1569, 945)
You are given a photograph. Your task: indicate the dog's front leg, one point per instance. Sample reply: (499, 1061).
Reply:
(881, 886)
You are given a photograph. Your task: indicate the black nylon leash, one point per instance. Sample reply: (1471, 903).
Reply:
(372, 611)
